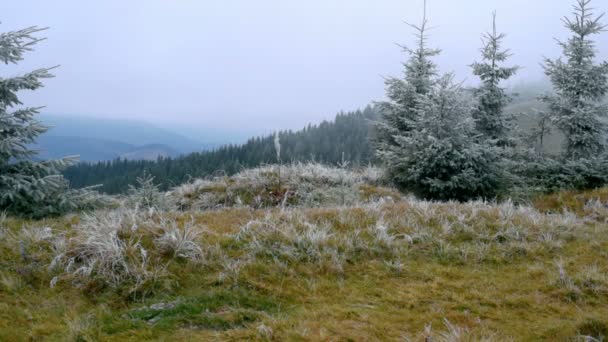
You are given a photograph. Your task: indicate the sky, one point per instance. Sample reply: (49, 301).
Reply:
(263, 65)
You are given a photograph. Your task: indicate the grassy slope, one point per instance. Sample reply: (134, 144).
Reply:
(497, 287)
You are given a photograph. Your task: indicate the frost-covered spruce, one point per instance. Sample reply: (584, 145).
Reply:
(28, 188)
(442, 157)
(490, 119)
(580, 86)
(399, 113)
(146, 194)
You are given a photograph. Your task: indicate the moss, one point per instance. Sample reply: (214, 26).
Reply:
(215, 309)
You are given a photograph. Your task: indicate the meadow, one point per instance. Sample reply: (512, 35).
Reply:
(249, 258)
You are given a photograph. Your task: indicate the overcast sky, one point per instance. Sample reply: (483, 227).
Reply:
(258, 64)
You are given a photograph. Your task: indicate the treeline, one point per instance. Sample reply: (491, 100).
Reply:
(346, 138)
(442, 142)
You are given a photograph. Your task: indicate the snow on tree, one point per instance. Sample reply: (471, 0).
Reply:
(580, 86)
(427, 138)
(27, 187)
(490, 119)
(398, 114)
(442, 157)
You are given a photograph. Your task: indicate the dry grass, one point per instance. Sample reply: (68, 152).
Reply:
(592, 204)
(404, 270)
(290, 185)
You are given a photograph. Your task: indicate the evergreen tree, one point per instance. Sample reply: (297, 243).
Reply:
(399, 113)
(580, 86)
(28, 188)
(348, 135)
(490, 119)
(441, 158)
(146, 194)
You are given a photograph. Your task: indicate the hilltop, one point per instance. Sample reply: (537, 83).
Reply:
(326, 254)
(346, 138)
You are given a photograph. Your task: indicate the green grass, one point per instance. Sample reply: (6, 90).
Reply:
(495, 272)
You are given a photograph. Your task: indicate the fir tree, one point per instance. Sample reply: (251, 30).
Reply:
(399, 113)
(580, 86)
(490, 119)
(348, 137)
(28, 188)
(146, 194)
(441, 158)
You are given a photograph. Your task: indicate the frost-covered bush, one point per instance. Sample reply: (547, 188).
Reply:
(302, 184)
(545, 174)
(122, 248)
(288, 236)
(179, 242)
(103, 249)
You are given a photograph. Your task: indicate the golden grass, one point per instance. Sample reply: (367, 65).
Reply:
(469, 269)
(573, 201)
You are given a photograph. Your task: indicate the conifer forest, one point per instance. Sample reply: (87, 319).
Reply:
(455, 205)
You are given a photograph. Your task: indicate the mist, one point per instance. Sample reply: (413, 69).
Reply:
(257, 66)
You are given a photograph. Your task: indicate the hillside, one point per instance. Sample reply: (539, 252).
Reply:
(350, 261)
(347, 137)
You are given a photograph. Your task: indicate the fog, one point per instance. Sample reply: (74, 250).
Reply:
(259, 65)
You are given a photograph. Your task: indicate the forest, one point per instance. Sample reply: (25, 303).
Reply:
(441, 212)
(346, 139)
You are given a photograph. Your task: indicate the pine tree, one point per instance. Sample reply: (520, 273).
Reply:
(441, 158)
(490, 119)
(28, 188)
(146, 194)
(399, 113)
(580, 86)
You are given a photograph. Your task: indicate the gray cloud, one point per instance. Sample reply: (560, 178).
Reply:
(258, 65)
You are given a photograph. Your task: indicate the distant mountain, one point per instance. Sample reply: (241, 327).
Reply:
(150, 152)
(347, 137)
(89, 149)
(96, 139)
(94, 150)
(344, 139)
(131, 132)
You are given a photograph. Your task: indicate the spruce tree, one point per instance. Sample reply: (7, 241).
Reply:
(442, 158)
(27, 187)
(490, 119)
(399, 113)
(580, 86)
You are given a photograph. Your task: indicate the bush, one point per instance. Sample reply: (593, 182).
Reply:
(544, 174)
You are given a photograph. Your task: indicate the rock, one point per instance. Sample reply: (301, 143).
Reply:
(163, 306)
